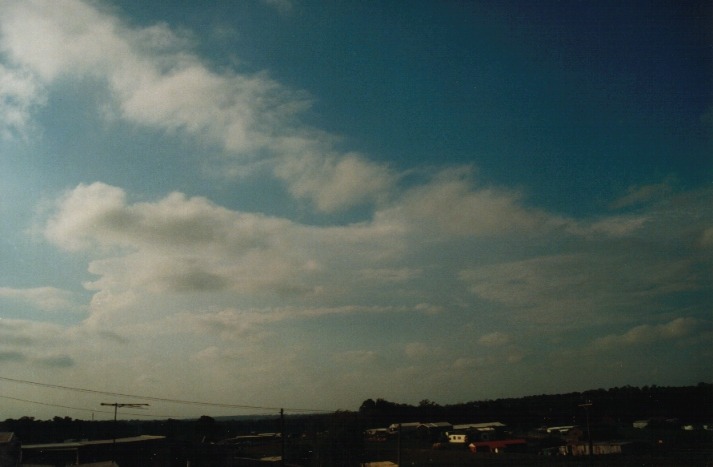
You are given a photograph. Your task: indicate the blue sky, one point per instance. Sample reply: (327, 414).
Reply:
(297, 204)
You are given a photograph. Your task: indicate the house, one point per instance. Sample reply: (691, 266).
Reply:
(481, 431)
(641, 423)
(569, 433)
(395, 428)
(438, 426)
(10, 452)
(457, 438)
(499, 445)
(434, 430)
(658, 422)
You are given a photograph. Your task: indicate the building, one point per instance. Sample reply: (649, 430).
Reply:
(377, 434)
(409, 427)
(144, 450)
(559, 430)
(457, 438)
(479, 431)
(488, 426)
(434, 431)
(499, 445)
(10, 452)
(600, 448)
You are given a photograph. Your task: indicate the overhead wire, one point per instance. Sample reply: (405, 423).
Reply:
(84, 408)
(161, 399)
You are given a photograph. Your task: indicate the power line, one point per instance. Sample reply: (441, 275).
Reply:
(160, 399)
(83, 409)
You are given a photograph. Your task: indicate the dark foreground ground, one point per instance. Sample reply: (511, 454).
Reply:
(462, 457)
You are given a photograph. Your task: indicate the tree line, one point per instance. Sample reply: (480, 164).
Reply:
(623, 405)
(619, 405)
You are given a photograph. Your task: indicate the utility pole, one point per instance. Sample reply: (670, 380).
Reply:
(282, 436)
(586, 407)
(116, 406)
(398, 447)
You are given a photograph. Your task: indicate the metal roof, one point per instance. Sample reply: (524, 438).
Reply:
(77, 444)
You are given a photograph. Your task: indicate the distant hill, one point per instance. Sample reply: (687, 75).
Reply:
(619, 406)
(690, 404)
(240, 418)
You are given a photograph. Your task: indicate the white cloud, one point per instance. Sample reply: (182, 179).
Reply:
(164, 254)
(179, 245)
(232, 324)
(418, 350)
(33, 343)
(449, 206)
(615, 226)
(282, 6)
(638, 195)
(494, 339)
(430, 309)
(190, 245)
(156, 81)
(390, 275)
(579, 289)
(468, 363)
(19, 95)
(335, 181)
(86, 216)
(706, 238)
(647, 333)
(43, 298)
(356, 357)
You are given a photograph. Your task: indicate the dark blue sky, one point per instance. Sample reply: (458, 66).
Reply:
(576, 98)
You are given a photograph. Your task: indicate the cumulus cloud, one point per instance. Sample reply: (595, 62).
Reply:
(56, 361)
(418, 350)
(356, 357)
(648, 333)
(390, 275)
(468, 363)
(706, 238)
(183, 247)
(232, 324)
(35, 344)
(563, 289)
(19, 95)
(448, 205)
(614, 226)
(637, 195)
(282, 6)
(335, 181)
(43, 298)
(429, 309)
(156, 80)
(11, 356)
(190, 245)
(452, 204)
(494, 339)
